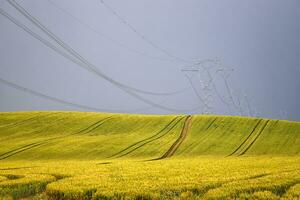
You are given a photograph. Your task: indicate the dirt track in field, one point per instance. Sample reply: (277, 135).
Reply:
(183, 135)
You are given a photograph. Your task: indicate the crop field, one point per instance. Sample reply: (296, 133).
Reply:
(77, 155)
(178, 178)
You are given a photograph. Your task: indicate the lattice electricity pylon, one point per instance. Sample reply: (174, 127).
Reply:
(204, 96)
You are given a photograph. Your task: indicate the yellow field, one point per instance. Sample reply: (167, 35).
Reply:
(71, 155)
(192, 178)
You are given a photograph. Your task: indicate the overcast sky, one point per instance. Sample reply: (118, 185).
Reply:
(259, 39)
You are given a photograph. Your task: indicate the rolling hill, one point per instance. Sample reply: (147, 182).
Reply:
(85, 155)
(87, 135)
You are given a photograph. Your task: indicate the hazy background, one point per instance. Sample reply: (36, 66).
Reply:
(259, 39)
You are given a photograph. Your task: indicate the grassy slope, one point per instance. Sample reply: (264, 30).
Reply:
(219, 135)
(72, 135)
(78, 135)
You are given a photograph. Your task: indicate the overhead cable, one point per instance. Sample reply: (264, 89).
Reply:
(61, 101)
(92, 68)
(64, 54)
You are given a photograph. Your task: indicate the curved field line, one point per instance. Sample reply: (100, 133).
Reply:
(183, 135)
(19, 122)
(40, 143)
(92, 126)
(22, 147)
(37, 131)
(27, 147)
(24, 121)
(153, 136)
(21, 150)
(87, 128)
(257, 177)
(260, 132)
(253, 130)
(146, 142)
(156, 138)
(220, 184)
(284, 186)
(100, 124)
(288, 187)
(210, 124)
(38, 186)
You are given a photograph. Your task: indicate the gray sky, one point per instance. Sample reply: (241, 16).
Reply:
(259, 39)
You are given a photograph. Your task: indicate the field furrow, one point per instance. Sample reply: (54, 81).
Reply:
(183, 135)
(146, 139)
(252, 141)
(89, 156)
(157, 136)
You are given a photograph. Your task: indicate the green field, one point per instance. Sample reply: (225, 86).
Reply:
(78, 155)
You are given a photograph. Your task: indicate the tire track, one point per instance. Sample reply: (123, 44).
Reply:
(178, 142)
(47, 141)
(260, 132)
(211, 123)
(35, 129)
(253, 130)
(145, 139)
(89, 127)
(157, 136)
(20, 151)
(147, 142)
(11, 151)
(152, 139)
(93, 126)
(34, 144)
(21, 122)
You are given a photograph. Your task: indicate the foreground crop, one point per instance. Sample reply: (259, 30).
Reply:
(193, 178)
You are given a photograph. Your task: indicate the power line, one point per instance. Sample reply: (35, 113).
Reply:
(66, 12)
(197, 93)
(154, 45)
(61, 101)
(92, 68)
(59, 51)
(105, 36)
(125, 22)
(140, 35)
(229, 91)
